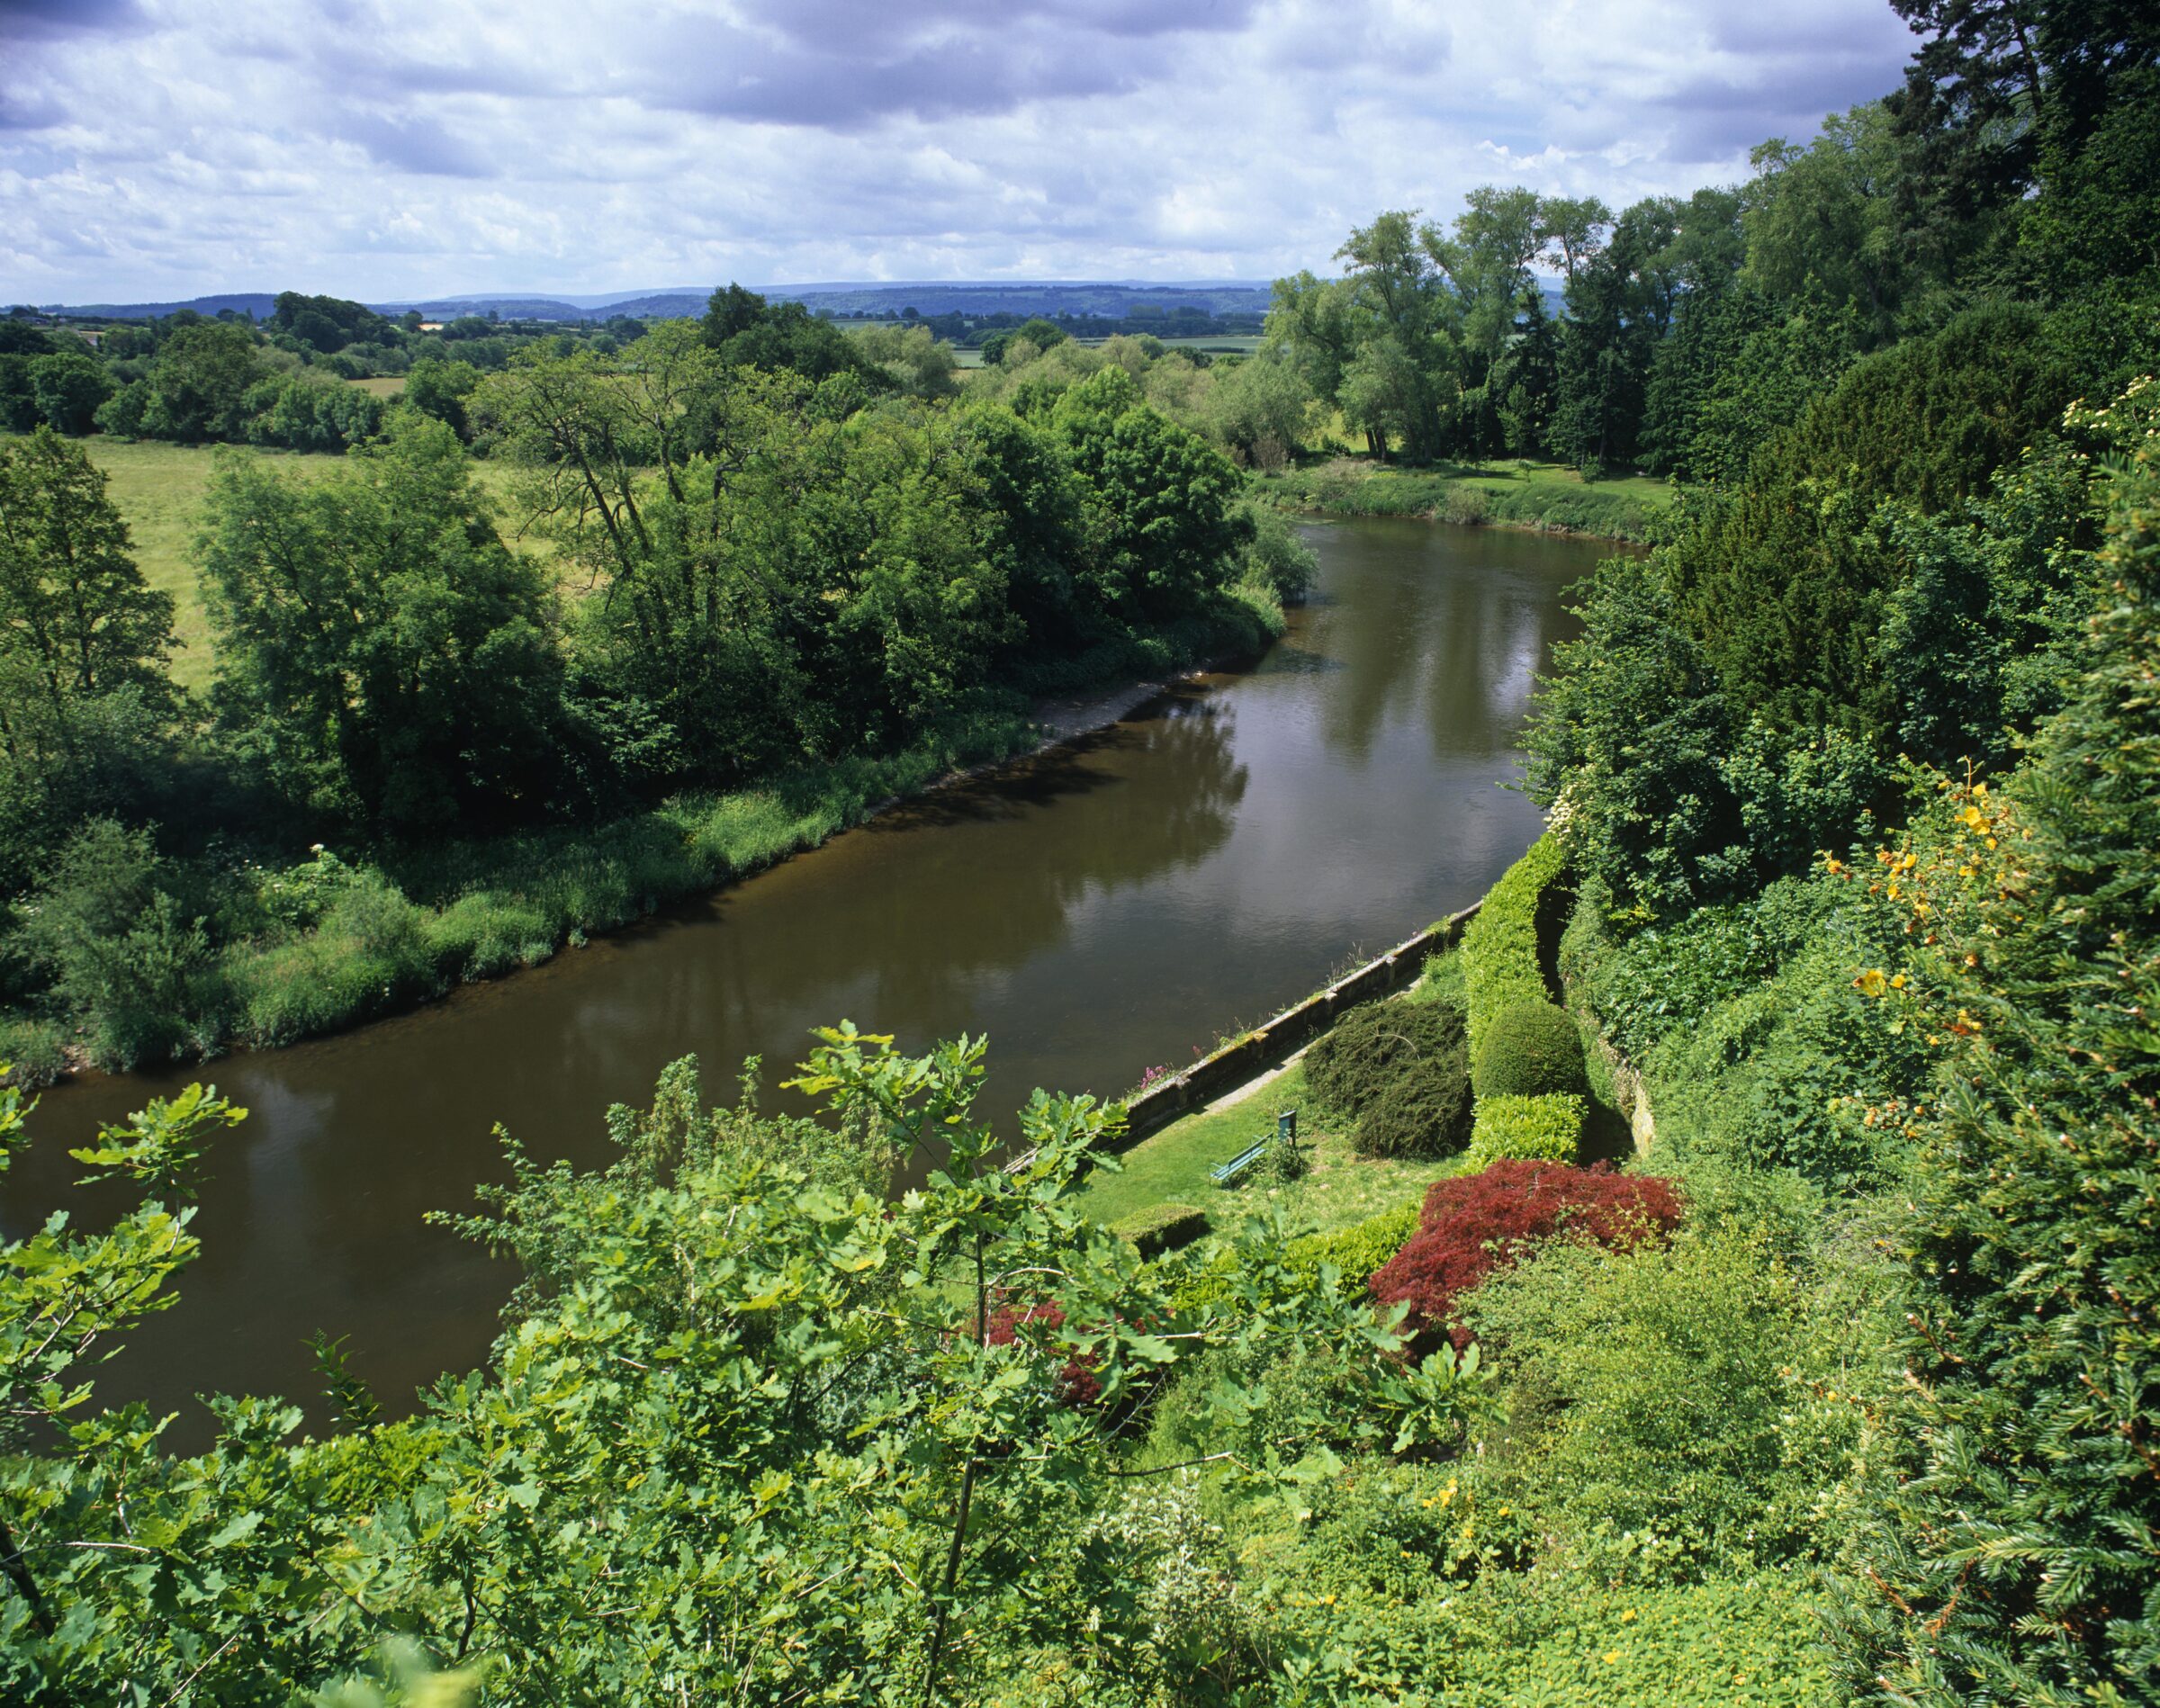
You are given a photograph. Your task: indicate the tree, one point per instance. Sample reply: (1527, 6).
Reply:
(1405, 336)
(1258, 408)
(1487, 259)
(198, 385)
(1310, 320)
(68, 390)
(1619, 300)
(1824, 226)
(745, 330)
(1575, 226)
(2019, 1517)
(76, 619)
(1160, 526)
(913, 359)
(378, 647)
(1998, 87)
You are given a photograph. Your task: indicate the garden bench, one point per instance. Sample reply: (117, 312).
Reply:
(1286, 1133)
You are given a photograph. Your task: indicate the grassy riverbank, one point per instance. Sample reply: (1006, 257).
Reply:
(350, 934)
(1538, 495)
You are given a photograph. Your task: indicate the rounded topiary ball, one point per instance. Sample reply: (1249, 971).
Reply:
(1529, 1050)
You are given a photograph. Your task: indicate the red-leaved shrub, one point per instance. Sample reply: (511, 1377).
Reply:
(1076, 1383)
(1474, 1225)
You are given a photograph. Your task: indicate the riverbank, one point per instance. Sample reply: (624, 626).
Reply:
(363, 934)
(1546, 497)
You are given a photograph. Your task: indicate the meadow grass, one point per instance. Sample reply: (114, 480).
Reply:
(387, 385)
(158, 490)
(1544, 495)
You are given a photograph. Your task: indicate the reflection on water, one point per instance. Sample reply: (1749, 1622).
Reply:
(1095, 911)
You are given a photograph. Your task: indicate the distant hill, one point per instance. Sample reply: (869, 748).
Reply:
(256, 304)
(1115, 299)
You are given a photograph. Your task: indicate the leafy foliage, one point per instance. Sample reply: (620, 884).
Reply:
(736, 1384)
(2015, 1555)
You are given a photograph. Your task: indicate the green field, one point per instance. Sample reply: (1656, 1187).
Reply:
(1548, 494)
(158, 489)
(389, 386)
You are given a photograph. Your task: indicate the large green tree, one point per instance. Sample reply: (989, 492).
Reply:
(2017, 1558)
(85, 707)
(380, 651)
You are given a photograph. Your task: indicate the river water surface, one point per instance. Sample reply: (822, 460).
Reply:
(1103, 908)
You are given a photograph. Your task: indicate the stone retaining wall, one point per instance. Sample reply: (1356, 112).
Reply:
(1268, 1043)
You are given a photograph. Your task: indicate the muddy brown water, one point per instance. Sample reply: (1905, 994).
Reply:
(1103, 908)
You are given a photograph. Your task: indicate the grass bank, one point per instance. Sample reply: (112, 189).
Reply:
(1538, 495)
(1340, 1187)
(351, 934)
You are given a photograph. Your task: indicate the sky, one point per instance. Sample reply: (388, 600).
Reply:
(160, 150)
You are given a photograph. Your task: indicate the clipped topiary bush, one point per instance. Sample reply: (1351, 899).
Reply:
(1424, 1113)
(1500, 947)
(1372, 1048)
(1532, 1049)
(1547, 1128)
(1163, 1227)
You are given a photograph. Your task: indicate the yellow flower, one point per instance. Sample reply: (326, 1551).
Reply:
(1898, 982)
(1611, 1655)
(1630, 1613)
(1871, 981)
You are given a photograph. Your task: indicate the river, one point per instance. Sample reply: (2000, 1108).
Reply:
(1105, 907)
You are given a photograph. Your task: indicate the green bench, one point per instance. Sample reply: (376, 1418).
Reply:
(1285, 1133)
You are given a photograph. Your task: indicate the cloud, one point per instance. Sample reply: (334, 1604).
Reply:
(22, 20)
(418, 145)
(157, 148)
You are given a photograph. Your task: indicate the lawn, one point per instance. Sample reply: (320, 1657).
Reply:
(158, 489)
(1172, 1166)
(386, 386)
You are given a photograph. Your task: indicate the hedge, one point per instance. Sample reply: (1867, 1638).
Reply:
(1547, 1128)
(1358, 1252)
(1500, 947)
(1163, 1228)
